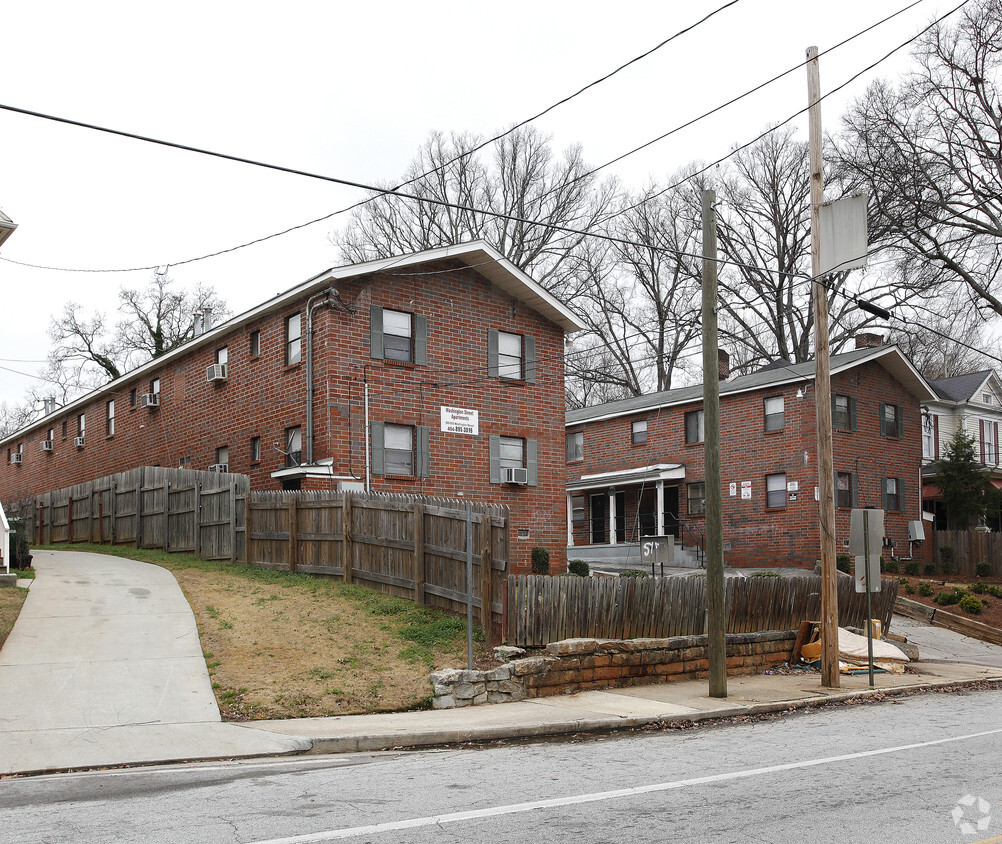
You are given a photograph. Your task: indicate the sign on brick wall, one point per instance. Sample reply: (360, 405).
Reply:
(456, 420)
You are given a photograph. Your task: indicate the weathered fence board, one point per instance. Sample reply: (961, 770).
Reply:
(410, 546)
(970, 547)
(542, 609)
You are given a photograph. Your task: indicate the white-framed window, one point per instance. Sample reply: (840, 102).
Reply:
(991, 447)
(775, 419)
(986, 398)
(255, 449)
(928, 436)
(398, 336)
(293, 339)
(255, 344)
(575, 446)
(398, 449)
(775, 490)
(694, 431)
(109, 410)
(81, 424)
(892, 494)
(293, 446)
(695, 498)
(512, 453)
(890, 420)
(509, 355)
(222, 355)
(638, 432)
(223, 454)
(843, 489)
(578, 508)
(155, 385)
(842, 415)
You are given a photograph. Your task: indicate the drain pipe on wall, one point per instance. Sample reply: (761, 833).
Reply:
(330, 299)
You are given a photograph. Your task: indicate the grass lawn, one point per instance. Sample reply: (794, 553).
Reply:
(11, 599)
(281, 645)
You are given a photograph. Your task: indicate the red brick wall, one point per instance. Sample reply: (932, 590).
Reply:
(262, 397)
(754, 534)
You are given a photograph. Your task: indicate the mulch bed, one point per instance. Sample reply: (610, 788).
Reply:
(990, 615)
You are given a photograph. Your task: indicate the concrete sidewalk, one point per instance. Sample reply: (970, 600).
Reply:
(104, 668)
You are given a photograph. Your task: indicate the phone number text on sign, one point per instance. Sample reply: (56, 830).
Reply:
(457, 420)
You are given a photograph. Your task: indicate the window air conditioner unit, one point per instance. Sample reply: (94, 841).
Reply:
(149, 400)
(78, 442)
(15, 457)
(219, 467)
(516, 475)
(45, 445)
(215, 372)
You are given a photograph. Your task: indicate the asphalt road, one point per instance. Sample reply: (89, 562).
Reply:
(909, 769)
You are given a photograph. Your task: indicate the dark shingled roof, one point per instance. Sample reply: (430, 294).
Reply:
(960, 387)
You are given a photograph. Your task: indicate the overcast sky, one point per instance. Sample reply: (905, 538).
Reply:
(348, 90)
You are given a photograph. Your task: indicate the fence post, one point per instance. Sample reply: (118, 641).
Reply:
(114, 509)
(293, 534)
(418, 552)
(486, 576)
(196, 519)
(233, 521)
(90, 513)
(140, 483)
(69, 516)
(166, 513)
(100, 516)
(348, 551)
(248, 527)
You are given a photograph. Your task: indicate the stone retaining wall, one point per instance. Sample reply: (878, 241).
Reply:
(577, 665)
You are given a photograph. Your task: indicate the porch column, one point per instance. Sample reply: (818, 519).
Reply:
(570, 522)
(661, 509)
(612, 516)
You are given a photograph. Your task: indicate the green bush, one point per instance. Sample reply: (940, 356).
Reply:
(765, 574)
(994, 590)
(578, 567)
(20, 550)
(912, 568)
(983, 569)
(633, 573)
(891, 566)
(909, 589)
(843, 562)
(946, 555)
(979, 587)
(971, 605)
(954, 596)
(929, 570)
(540, 560)
(925, 589)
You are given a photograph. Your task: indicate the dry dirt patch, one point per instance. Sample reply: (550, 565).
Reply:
(279, 645)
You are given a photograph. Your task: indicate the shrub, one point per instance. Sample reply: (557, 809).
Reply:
(994, 590)
(909, 589)
(978, 587)
(925, 589)
(946, 599)
(578, 567)
(843, 562)
(20, 551)
(946, 555)
(891, 566)
(765, 574)
(929, 570)
(540, 560)
(971, 605)
(983, 569)
(912, 568)
(633, 573)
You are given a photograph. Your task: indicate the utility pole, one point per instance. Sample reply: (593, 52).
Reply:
(715, 595)
(823, 391)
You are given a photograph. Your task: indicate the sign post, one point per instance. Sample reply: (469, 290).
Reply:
(866, 532)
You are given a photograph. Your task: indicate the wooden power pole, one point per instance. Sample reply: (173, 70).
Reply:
(715, 595)
(823, 391)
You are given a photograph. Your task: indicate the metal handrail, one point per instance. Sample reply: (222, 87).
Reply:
(695, 530)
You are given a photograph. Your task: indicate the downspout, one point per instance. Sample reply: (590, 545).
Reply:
(327, 298)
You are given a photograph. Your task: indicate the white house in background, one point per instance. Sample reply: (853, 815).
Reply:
(972, 402)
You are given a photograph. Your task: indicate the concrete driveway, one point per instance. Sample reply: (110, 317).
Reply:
(106, 653)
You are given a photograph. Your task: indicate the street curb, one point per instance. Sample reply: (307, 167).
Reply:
(608, 724)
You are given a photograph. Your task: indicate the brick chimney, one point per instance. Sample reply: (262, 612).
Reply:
(723, 365)
(869, 341)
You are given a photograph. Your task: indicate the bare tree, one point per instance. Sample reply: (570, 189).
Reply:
(519, 175)
(155, 320)
(927, 152)
(14, 416)
(926, 339)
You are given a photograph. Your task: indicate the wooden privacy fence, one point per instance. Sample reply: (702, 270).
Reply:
(150, 507)
(410, 546)
(970, 547)
(542, 609)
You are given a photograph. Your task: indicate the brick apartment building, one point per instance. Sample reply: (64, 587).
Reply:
(635, 467)
(439, 373)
